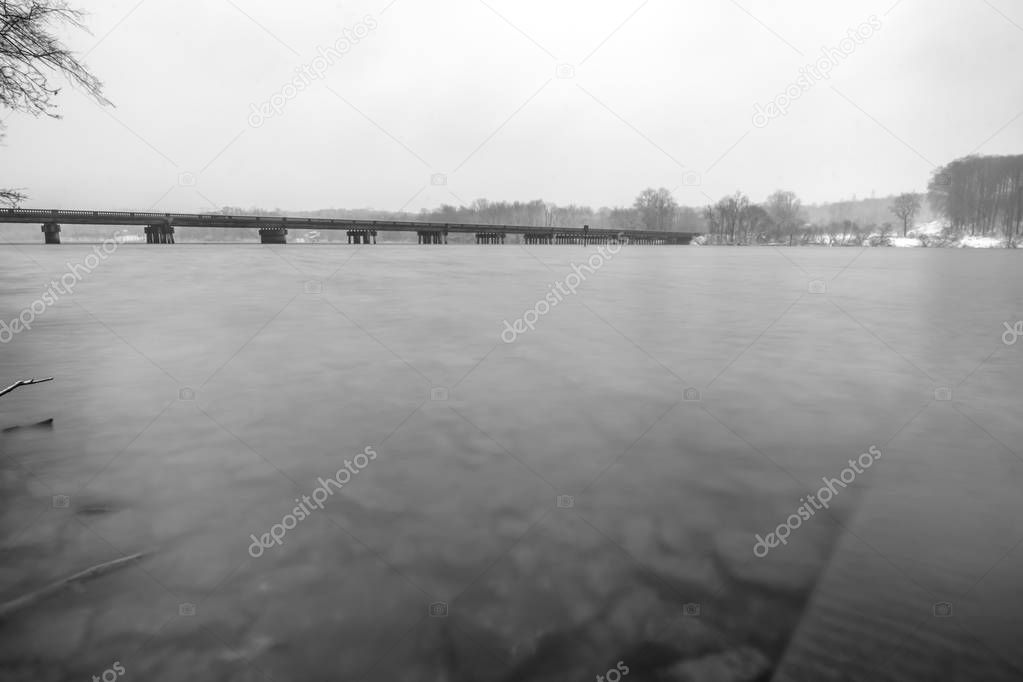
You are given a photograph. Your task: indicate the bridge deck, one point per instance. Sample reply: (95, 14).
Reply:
(74, 217)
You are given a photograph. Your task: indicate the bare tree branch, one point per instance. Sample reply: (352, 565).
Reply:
(31, 56)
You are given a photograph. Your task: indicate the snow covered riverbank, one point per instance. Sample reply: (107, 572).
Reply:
(931, 235)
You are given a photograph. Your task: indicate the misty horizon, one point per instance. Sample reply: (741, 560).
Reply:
(583, 105)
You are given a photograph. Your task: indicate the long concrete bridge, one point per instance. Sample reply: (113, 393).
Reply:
(159, 227)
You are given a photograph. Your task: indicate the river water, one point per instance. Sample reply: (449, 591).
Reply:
(585, 495)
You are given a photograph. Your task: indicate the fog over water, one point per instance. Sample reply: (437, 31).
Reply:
(201, 391)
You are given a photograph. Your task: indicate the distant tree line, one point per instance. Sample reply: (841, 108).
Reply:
(981, 195)
(653, 209)
(783, 219)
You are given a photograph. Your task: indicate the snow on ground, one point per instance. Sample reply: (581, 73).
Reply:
(905, 242)
(922, 234)
(982, 242)
(931, 229)
(932, 233)
(912, 239)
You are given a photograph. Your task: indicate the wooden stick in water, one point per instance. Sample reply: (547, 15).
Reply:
(21, 602)
(24, 382)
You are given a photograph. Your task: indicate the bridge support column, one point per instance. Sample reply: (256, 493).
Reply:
(361, 236)
(273, 235)
(51, 233)
(159, 234)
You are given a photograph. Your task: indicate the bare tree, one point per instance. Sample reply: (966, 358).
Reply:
(11, 197)
(656, 207)
(884, 237)
(905, 208)
(30, 55)
(785, 208)
(757, 221)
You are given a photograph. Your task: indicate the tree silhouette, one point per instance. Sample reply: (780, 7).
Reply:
(30, 56)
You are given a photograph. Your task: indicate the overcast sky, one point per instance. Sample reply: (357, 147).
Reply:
(467, 92)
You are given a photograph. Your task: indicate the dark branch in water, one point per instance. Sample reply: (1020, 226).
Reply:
(24, 382)
(44, 424)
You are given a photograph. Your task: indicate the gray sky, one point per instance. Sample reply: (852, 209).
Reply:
(470, 90)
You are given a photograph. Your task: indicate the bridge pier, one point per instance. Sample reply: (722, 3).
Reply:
(490, 237)
(51, 233)
(538, 238)
(362, 236)
(273, 235)
(159, 234)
